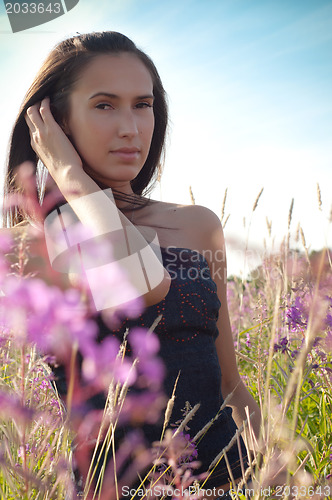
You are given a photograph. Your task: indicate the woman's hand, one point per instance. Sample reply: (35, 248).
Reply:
(50, 142)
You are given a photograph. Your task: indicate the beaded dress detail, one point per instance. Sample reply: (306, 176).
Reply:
(187, 333)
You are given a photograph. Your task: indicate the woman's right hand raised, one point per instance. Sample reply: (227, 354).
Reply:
(50, 142)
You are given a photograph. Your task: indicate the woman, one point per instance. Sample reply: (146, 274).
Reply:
(96, 116)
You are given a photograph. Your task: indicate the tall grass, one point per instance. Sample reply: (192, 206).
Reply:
(282, 325)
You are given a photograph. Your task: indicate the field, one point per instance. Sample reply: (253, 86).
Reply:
(282, 325)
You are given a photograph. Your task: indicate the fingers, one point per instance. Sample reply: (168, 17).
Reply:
(38, 113)
(44, 109)
(33, 118)
(32, 129)
(31, 126)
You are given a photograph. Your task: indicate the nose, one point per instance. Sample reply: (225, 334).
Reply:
(127, 126)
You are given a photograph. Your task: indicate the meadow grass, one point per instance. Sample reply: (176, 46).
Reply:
(282, 325)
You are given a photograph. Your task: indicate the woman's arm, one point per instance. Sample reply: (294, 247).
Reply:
(213, 239)
(94, 208)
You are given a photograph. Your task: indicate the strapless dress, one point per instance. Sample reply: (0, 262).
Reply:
(187, 333)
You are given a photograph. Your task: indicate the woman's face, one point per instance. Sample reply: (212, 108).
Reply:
(111, 119)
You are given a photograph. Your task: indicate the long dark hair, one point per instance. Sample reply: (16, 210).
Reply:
(56, 79)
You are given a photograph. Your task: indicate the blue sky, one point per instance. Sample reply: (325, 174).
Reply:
(249, 85)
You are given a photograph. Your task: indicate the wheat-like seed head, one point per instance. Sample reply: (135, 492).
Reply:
(223, 205)
(290, 213)
(192, 196)
(319, 196)
(269, 226)
(257, 200)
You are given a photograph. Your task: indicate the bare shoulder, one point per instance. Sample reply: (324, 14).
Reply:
(209, 231)
(188, 213)
(198, 214)
(200, 228)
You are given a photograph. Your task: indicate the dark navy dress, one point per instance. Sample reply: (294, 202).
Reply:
(187, 333)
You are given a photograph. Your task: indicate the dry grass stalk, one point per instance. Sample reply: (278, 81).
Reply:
(229, 467)
(192, 196)
(257, 199)
(269, 226)
(125, 386)
(188, 417)
(215, 462)
(224, 224)
(297, 234)
(243, 356)
(251, 440)
(319, 196)
(223, 206)
(170, 405)
(290, 213)
(155, 323)
(305, 246)
(248, 473)
(208, 425)
(272, 334)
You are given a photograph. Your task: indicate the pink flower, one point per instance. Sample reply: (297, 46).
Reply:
(141, 408)
(52, 319)
(145, 346)
(101, 363)
(11, 407)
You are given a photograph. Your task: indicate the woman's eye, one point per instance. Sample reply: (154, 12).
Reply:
(142, 105)
(103, 105)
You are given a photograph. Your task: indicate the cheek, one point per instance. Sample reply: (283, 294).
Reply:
(148, 129)
(86, 133)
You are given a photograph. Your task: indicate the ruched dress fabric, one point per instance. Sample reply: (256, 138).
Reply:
(187, 333)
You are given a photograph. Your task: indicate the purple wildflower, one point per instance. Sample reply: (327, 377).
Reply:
(317, 341)
(294, 353)
(46, 316)
(282, 346)
(101, 364)
(296, 316)
(145, 346)
(178, 450)
(141, 408)
(111, 290)
(328, 320)
(11, 407)
(328, 341)
(191, 446)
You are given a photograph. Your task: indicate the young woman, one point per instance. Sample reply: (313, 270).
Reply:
(96, 116)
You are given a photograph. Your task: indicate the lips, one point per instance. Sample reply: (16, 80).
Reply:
(126, 153)
(126, 150)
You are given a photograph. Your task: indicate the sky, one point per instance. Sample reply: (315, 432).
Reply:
(249, 87)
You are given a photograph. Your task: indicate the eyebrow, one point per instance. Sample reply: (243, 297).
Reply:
(114, 96)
